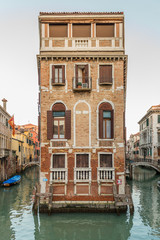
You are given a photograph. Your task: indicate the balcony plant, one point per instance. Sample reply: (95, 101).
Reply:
(79, 85)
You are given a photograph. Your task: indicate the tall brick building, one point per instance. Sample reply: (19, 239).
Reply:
(82, 80)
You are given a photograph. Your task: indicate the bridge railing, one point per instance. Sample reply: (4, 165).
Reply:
(147, 160)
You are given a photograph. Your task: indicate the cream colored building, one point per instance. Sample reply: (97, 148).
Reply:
(7, 163)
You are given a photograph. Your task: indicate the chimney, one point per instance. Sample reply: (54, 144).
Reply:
(4, 103)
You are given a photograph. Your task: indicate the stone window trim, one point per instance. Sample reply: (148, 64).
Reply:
(63, 172)
(104, 101)
(106, 83)
(105, 153)
(58, 107)
(89, 158)
(105, 174)
(54, 84)
(105, 106)
(82, 174)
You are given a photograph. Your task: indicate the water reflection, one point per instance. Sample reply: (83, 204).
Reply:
(84, 226)
(147, 204)
(17, 221)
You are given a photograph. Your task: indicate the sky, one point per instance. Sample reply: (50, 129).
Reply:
(19, 45)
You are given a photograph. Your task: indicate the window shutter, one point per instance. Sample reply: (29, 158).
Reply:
(100, 123)
(86, 73)
(53, 74)
(109, 73)
(76, 75)
(39, 128)
(105, 73)
(49, 125)
(68, 124)
(63, 74)
(112, 124)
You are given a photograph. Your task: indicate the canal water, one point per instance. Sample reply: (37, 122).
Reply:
(17, 221)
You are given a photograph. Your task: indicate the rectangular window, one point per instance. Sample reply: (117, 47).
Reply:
(158, 118)
(58, 30)
(106, 124)
(59, 161)
(106, 161)
(6, 122)
(104, 30)
(105, 74)
(59, 125)
(19, 148)
(147, 122)
(58, 74)
(81, 30)
(82, 161)
(158, 137)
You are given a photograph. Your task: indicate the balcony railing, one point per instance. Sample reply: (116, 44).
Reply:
(80, 44)
(82, 84)
(59, 175)
(106, 174)
(82, 175)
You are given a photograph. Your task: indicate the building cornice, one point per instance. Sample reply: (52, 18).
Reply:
(4, 111)
(149, 113)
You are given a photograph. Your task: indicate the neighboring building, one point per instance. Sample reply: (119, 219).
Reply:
(34, 134)
(132, 147)
(7, 162)
(23, 146)
(82, 78)
(150, 134)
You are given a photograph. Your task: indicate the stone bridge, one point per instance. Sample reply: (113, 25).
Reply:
(30, 164)
(155, 164)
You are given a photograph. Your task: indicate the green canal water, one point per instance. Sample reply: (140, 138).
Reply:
(17, 221)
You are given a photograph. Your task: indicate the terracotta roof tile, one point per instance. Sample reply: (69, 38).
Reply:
(81, 13)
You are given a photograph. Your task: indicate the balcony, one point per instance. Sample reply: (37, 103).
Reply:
(59, 175)
(106, 174)
(82, 84)
(82, 175)
(80, 44)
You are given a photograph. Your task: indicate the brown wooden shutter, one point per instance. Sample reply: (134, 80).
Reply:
(49, 125)
(53, 74)
(58, 30)
(63, 74)
(39, 128)
(105, 73)
(104, 30)
(82, 160)
(112, 124)
(100, 123)
(86, 73)
(68, 124)
(81, 30)
(58, 107)
(109, 73)
(59, 161)
(76, 75)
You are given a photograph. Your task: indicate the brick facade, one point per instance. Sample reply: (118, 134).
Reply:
(91, 183)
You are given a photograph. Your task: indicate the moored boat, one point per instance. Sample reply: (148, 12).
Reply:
(12, 181)
(158, 184)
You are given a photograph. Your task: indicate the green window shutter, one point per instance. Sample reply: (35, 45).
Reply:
(158, 118)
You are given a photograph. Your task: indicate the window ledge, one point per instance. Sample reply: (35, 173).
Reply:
(105, 83)
(58, 84)
(59, 139)
(103, 139)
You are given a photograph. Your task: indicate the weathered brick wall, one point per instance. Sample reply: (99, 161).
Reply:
(113, 94)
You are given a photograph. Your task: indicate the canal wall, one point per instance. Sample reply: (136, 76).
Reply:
(45, 203)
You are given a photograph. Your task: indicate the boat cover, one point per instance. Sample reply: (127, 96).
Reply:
(13, 179)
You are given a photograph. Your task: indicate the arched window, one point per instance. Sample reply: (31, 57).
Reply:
(106, 121)
(59, 122)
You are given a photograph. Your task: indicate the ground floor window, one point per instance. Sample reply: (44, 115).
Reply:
(106, 161)
(59, 161)
(82, 160)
